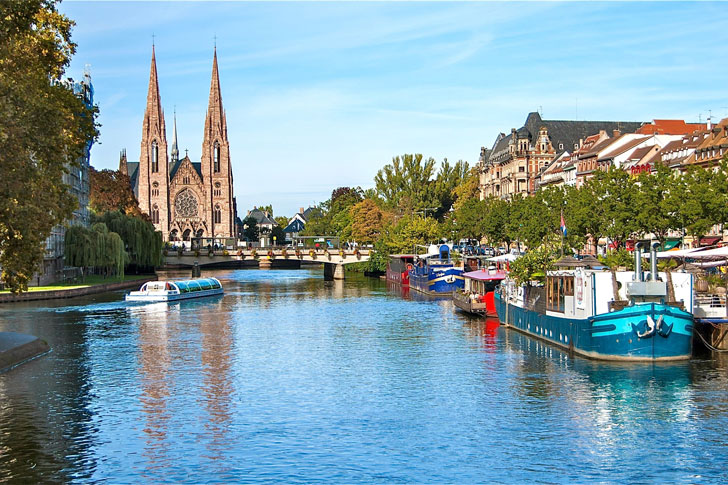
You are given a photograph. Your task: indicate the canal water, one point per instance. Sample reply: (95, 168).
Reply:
(288, 378)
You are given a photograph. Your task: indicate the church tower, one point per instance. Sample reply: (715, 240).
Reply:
(217, 172)
(153, 177)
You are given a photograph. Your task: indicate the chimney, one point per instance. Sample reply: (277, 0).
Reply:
(710, 124)
(616, 133)
(300, 210)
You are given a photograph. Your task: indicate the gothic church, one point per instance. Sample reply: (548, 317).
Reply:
(184, 199)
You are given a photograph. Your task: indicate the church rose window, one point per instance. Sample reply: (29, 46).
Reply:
(185, 205)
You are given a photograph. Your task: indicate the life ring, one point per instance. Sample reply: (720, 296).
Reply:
(450, 279)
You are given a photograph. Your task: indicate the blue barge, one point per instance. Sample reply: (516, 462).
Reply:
(577, 310)
(435, 273)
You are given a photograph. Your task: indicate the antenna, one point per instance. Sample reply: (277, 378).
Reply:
(153, 39)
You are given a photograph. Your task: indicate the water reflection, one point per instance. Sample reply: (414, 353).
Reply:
(289, 378)
(154, 375)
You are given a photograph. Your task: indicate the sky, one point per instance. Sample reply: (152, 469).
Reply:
(321, 95)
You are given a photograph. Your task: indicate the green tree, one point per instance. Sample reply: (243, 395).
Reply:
(658, 200)
(496, 220)
(702, 202)
(45, 129)
(469, 219)
(250, 229)
(142, 243)
(411, 232)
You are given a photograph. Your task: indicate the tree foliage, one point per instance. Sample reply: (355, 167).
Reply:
(111, 191)
(141, 242)
(250, 229)
(45, 129)
(95, 247)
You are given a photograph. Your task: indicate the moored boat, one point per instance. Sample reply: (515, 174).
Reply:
(435, 273)
(398, 268)
(176, 290)
(477, 296)
(576, 309)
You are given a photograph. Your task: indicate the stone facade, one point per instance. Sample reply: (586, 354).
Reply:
(185, 199)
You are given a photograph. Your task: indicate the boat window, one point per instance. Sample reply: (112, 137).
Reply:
(557, 288)
(183, 287)
(194, 286)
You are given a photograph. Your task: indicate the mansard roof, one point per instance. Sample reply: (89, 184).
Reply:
(261, 217)
(563, 134)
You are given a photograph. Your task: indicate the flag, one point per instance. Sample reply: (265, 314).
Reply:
(563, 224)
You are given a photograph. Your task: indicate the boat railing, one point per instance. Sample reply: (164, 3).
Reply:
(710, 306)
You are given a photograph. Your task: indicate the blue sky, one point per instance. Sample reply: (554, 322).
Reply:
(322, 95)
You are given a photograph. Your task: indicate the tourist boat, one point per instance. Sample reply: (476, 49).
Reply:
(477, 296)
(576, 310)
(435, 273)
(399, 267)
(176, 290)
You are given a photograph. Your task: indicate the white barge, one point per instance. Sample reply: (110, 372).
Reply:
(176, 290)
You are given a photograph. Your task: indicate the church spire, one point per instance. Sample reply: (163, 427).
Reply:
(175, 150)
(215, 123)
(153, 114)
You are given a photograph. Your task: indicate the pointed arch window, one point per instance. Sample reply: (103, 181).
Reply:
(155, 157)
(216, 157)
(218, 215)
(155, 214)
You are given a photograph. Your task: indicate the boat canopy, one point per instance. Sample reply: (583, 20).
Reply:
(484, 275)
(199, 284)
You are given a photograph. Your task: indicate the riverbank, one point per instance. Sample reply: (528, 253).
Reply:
(71, 291)
(16, 348)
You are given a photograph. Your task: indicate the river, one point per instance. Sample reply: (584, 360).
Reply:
(288, 378)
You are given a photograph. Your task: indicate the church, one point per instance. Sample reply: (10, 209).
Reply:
(184, 199)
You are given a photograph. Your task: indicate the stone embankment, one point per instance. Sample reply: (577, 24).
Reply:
(73, 292)
(16, 348)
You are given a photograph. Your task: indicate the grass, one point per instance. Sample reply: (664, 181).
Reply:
(90, 280)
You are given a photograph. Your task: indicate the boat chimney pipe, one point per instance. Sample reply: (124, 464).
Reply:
(638, 262)
(653, 260)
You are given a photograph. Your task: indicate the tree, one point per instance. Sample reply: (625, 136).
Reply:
(250, 229)
(658, 198)
(367, 221)
(111, 191)
(410, 232)
(701, 202)
(45, 129)
(142, 242)
(468, 188)
(495, 221)
(469, 219)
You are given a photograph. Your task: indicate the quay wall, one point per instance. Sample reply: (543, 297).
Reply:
(73, 292)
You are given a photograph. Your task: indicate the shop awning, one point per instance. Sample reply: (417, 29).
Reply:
(670, 245)
(710, 240)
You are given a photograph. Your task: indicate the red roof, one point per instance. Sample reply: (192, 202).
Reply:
(669, 127)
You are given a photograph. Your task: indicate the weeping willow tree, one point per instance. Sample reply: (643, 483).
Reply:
(97, 248)
(142, 243)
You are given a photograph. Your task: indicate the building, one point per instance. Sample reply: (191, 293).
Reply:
(77, 179)
(712, 146)
(516, 160)
(185, 199)
(297, 224)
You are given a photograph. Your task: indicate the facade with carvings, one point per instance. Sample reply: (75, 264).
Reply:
(184, 199)
(514, 164)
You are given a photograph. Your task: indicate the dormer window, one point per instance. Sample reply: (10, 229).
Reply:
(216, 157)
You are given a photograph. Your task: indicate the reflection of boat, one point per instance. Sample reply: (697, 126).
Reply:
(477, 295)
(398, 268)
(435, 273)
(176, 290)
(576, 310)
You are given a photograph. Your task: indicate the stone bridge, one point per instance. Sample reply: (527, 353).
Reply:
(332, 259)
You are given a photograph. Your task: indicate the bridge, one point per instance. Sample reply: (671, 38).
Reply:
(332, 259)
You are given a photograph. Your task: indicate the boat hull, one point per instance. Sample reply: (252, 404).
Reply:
(437, 281)
(609, 336)
(171, 297)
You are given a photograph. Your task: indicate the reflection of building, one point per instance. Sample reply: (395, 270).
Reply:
(185, 199)
(76, 178)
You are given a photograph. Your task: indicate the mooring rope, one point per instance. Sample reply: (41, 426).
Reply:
(710, 346)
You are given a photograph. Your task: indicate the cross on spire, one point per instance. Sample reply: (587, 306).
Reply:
(214, 41)
(153, 39)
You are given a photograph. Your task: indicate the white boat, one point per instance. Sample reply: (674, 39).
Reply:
(176, 290)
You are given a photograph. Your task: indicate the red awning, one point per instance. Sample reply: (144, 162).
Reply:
(709, 240)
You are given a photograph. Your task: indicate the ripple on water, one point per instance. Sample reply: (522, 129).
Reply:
(289, 378)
